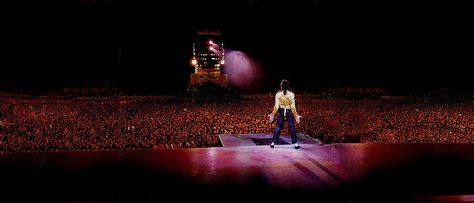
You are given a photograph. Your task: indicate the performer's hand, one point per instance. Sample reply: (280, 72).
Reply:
(298, 119)
(270, 116)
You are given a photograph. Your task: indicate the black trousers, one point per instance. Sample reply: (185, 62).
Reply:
(291, 125)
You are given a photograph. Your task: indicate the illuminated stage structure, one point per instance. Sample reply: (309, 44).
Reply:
(208, 60)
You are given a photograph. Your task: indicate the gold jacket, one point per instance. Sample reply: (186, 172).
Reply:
(285, 101)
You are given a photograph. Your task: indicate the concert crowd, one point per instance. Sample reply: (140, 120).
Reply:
(49, 123)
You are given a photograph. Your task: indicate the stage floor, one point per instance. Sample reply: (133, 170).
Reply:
(238, 140)
(336, 172)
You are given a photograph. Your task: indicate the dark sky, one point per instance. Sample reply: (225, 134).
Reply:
(148, 44)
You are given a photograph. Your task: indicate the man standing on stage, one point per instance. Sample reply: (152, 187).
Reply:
(286, 108)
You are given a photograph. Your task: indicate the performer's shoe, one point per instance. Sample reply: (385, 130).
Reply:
(297, 146)
(272, 145)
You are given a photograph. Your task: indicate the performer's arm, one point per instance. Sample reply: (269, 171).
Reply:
(293, 109)
(293, 105)
(277, 104)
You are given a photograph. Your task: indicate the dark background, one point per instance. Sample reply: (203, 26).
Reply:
(147, 44)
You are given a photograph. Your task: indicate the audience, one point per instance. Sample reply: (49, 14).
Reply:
(157, 122)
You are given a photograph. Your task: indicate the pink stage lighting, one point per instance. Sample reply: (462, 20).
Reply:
(243, 71)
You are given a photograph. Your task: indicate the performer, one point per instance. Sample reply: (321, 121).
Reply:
(286, 108)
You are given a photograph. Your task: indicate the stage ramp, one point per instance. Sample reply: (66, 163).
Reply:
(237, 140)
